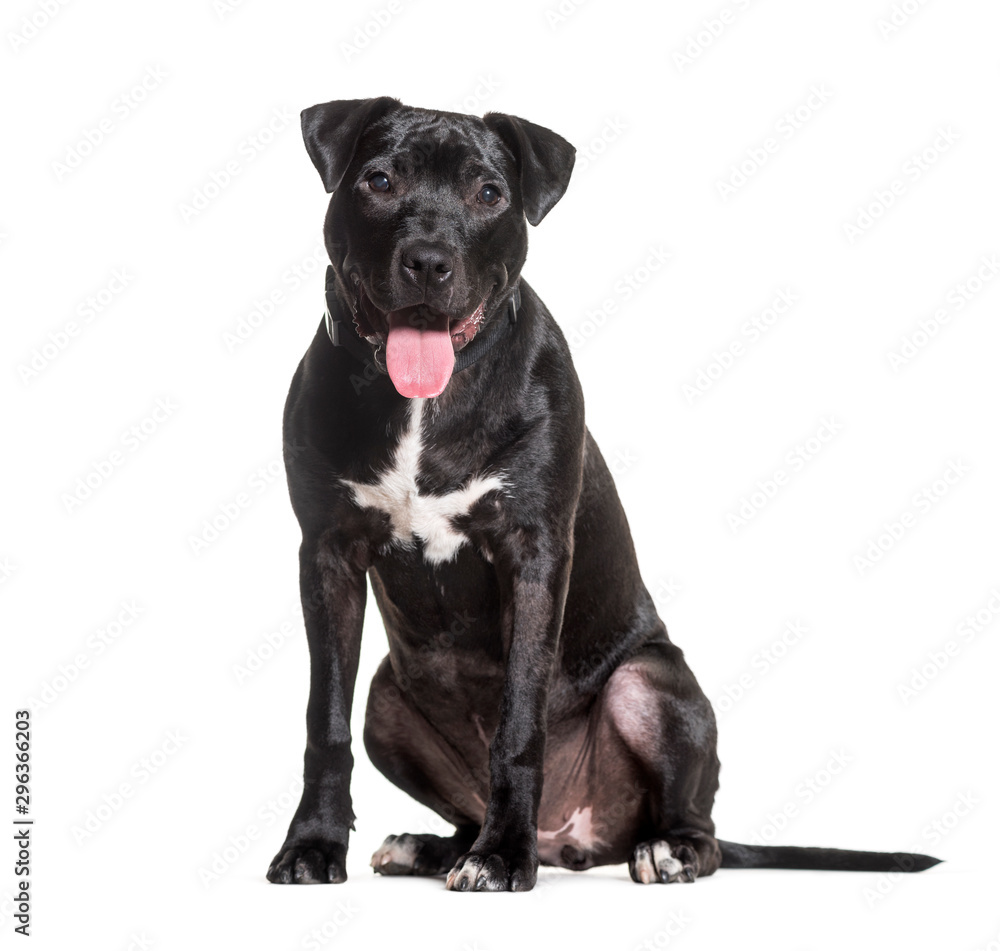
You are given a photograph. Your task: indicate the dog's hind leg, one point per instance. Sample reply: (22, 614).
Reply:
(666, 723)
(407, 750)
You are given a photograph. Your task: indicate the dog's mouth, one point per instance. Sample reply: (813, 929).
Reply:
(420, 342)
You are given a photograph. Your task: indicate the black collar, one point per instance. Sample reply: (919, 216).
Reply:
(343, 334)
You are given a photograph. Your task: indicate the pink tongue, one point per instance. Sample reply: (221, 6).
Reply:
(419, 360)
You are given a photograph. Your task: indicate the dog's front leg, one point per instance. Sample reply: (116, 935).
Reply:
(333, 603)
(505, 855)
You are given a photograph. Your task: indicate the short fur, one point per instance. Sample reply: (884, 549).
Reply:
(531, 695)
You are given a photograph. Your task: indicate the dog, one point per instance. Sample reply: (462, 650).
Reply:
(435, 443)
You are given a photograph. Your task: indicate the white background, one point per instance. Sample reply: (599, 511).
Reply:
(656, 137)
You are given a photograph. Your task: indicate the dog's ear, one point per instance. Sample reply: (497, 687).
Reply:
(544, 160)
(331, 131)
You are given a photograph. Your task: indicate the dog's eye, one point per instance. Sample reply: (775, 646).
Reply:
(489, 194)
(378, 182)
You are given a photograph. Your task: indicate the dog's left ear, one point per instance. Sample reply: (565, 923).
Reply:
(544, 160)
(331, 131)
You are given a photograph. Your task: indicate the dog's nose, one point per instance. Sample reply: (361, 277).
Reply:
(426, 264)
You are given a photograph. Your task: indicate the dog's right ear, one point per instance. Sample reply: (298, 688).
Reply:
(331, 131)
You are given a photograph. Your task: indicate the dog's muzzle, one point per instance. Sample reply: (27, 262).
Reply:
(423, 347)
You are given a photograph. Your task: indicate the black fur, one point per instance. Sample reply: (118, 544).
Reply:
(531, 695)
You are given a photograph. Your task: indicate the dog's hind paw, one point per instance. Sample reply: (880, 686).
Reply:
(423, 854)
(663, 860)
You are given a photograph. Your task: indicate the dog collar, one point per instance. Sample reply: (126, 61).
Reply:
(343, 334)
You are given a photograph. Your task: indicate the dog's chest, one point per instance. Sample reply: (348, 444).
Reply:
(413, 515)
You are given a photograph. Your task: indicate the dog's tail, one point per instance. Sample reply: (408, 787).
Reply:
(735, 855)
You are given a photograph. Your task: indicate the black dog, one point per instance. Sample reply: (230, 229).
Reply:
(435, 441)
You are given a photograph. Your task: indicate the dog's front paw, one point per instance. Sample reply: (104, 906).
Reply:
(664, 860)
(502, 870)
(310, 864)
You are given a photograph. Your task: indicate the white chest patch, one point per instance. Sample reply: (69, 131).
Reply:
(415, 516)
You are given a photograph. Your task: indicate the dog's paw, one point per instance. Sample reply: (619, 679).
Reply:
(513, 870)
(309, 865)
(423, 854)
(397, 855)
(663, 860)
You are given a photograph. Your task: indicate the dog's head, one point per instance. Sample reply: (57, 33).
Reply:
(426, 228)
